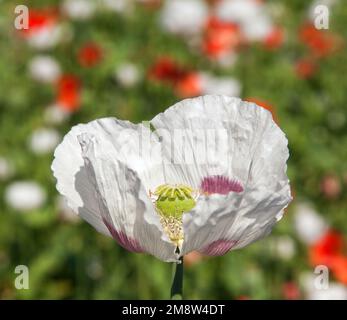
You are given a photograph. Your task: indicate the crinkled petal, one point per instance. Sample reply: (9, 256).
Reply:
(92, 159)
(247, 146)
(221, 223)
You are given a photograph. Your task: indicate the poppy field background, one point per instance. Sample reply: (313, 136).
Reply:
(118, 58)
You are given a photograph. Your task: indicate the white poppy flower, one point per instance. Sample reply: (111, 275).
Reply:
(258, 29)
(44, 140)
(46, 37)
(251, 15)
(284, 247)
(25, 195)
(79, 9)
(227, 60)
(120, 6)
(127, 74)
(210, 177)
(336, 291)
(314, 289)
(55, 114)
(184, 17)
(44, 69)
(238, 11)
(308, 224)
(220, 85)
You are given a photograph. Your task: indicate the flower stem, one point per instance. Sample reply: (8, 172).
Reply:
(177, 282)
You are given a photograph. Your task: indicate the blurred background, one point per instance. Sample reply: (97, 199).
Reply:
(84, 59)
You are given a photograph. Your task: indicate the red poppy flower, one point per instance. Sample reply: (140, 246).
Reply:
(189, 86)
(339, 268)
(326, 249)
(291, 291)
(220, 38)
(305, 68)
(329, 251)
(167, 70)
(275, 39)
(89, 55)
(264, 105)
(68, 92)
(39, 19)
(321, 42)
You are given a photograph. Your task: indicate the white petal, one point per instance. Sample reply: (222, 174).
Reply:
(73, 181)
(92, 181)
(124, 203)
(237, 219)
(248, 146)
(223, 136)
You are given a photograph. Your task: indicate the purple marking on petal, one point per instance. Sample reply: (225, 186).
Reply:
(220, 184)
(218, 248)
(126, 242)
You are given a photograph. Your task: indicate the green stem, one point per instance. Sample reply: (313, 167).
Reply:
(177, 282)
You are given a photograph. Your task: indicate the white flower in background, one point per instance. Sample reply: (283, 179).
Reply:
(238, 11)
(65, 212)
(44, 69)
(44, 140)
(184, 17)
(228, 60)
(25, 195)
(46, 37)
(128, 75)
(284, 247)
(335, 291)
(251, 15)
(211, 177)
(220, 85)
(120, 6)
(258, 29)
(54, 114)
(6, 168)
(308, 224)
(79, 9)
